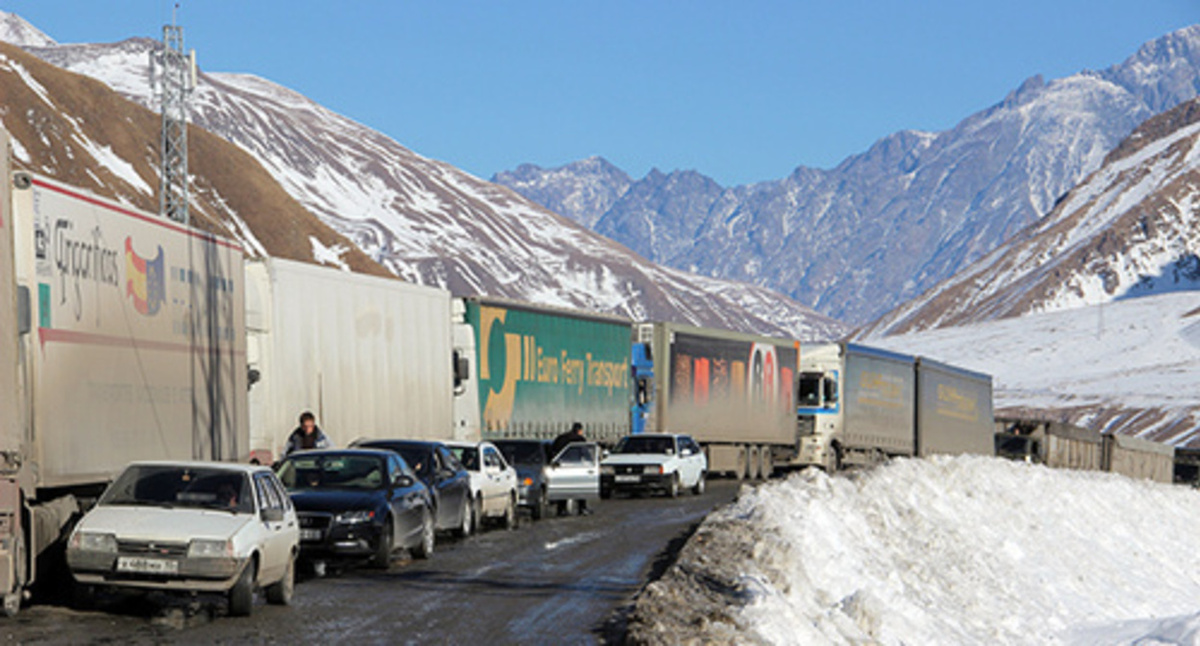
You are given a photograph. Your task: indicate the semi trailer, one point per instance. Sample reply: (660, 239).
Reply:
(120, 339)
(371, 357)
(732, 392)
(540, 369)
(859, 405)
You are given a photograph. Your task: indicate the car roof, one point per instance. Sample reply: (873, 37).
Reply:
(667, 435)
(378, 453)
(200, 464)
(410, 443)
(523, 440)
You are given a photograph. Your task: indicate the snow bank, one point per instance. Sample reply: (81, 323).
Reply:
(965, 550)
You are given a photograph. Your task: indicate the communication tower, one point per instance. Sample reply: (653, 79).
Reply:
(173, 78)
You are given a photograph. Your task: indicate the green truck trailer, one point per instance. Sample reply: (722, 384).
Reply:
(539, 369)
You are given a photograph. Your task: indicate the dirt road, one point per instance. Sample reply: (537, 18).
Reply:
(554, 581)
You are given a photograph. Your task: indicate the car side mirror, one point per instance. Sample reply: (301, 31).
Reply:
(555, 464)
(605, 454)
(403, 481)
(272, 515)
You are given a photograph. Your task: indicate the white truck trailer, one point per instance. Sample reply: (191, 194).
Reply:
(120, 340)
(371, 357)
(859, 405)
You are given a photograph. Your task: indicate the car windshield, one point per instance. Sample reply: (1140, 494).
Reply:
(314, 472)
(522, 452)
(181, 486)
(468, 455)
(636, 444)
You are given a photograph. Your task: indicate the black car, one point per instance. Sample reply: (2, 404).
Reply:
(530, 458)
(448, 481)
(356, 504)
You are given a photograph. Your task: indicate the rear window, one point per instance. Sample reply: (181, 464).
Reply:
(522, 452)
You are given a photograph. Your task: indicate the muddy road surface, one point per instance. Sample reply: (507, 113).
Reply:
(555, 581)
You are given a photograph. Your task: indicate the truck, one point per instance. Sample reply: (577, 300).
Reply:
(371, 357)
(120, 340)
(733, 393)
(540, 369)
(1068, 446)
(859, 405)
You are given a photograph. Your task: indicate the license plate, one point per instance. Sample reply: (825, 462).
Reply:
(628, 478)
(143, 565)
(310, 534)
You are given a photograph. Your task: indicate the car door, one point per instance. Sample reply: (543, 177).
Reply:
(452, 485)
(274, 543)
(574, 474)
(495, 493)
(693, 458)
(405, 502)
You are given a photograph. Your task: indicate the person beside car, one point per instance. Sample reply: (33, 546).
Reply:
(307, 436)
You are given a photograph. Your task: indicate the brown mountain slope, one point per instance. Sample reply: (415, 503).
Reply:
(78, 130)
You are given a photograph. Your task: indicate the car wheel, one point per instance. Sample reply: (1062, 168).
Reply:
(241, 595)
(673, 488)
(510, 514)
(699, 488)
(280, 593)
(425, 549)
(464, 523)
(539, 505)
(387, 542)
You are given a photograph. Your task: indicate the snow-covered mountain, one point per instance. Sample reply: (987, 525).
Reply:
(429, 222)
(1128, 230)
(78, 130)
(885, 225)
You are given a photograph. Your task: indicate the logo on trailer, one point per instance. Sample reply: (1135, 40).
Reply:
(145, 282)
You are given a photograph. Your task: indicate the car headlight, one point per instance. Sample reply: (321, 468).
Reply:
(209, 549)
(94, 542)
(607, 470)
(354, 517)
(656, 469)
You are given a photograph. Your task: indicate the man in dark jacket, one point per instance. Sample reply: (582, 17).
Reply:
(307, 436)
(561, 442)
(570, 437)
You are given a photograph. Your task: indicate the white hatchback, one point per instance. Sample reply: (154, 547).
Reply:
(192, 526)
(663, 462)
(493, 482)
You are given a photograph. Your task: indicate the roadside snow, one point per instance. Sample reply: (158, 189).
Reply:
(964, 550)
(329, 255)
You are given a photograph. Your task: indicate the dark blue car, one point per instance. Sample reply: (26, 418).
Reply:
(448, 481)
(358, 504)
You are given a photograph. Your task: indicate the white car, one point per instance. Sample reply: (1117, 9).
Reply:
(573, 477)
(663, 462)
(493, 482)
(191, 526)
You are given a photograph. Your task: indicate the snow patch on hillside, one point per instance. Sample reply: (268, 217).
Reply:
(967, 550)
(1137, 353)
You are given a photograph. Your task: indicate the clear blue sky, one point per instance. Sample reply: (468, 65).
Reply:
(740, 90)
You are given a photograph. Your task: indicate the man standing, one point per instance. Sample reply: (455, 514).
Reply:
(307, 436)
(561, 442)
(570, 437)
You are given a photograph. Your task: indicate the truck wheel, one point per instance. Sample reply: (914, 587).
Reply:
(280, 593)
(699, 488)
(387, 541)
(425, 549)
(241, 595)
(673, 488)
(833, 460)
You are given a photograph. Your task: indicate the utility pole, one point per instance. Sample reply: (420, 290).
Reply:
(173, 77)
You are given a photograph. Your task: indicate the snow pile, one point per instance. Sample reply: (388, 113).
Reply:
(964, 550)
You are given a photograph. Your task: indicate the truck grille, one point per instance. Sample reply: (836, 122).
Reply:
(806, 425)
(151, 548)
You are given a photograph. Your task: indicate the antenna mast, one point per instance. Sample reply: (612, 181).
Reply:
(173, 77)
